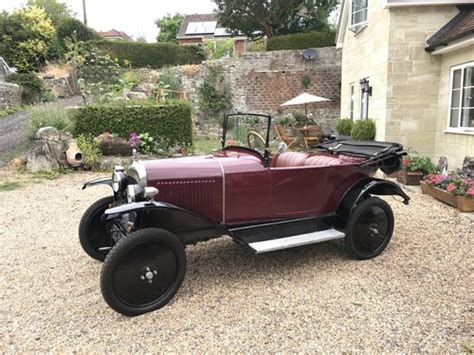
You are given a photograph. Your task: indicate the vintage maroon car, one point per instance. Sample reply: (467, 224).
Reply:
(264, 201)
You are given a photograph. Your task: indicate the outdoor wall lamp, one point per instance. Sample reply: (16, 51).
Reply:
(364, 85)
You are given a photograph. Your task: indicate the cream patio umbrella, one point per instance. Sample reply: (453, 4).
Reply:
(304, 99)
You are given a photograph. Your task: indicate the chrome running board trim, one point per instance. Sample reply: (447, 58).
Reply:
(296, 241)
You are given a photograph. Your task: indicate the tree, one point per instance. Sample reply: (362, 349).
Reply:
(25, 36)
(71, 26)
(56, 11)
(169, 27)
(257, 18)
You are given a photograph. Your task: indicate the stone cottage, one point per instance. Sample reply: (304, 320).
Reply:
(409, 64)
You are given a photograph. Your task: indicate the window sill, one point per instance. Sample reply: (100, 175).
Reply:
(356, 29)
(468, 132)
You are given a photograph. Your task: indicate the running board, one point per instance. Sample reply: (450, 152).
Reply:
(296, 241)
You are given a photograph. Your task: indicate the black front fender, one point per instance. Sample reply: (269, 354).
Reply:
(187, 225)
(364, 187)
(101, 181)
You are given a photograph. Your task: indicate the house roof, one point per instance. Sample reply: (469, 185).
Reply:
(198, 25)
(459, 26)
(195, 18)
(113, 33)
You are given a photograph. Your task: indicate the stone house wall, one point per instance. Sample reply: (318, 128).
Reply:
(410, 86)
(262, 81)
(413, 76)
(10, 95)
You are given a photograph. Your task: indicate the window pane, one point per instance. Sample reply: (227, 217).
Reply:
(454, 120)
(469, 76)
(455, 96)
(359, 11)
(467, 100)
(457, 79)
(468, 118)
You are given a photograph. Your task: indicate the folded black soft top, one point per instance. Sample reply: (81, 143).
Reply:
(366, 149)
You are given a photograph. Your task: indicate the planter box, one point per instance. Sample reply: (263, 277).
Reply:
(409, 177)
(464, 204)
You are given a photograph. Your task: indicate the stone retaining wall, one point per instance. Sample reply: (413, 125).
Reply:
(262, 81)
(10, 95)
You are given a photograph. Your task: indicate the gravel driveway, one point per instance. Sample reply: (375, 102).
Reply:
(415, 297)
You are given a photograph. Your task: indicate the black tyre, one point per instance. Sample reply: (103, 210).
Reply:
(369, 229)
(143, 271)
(94, 234)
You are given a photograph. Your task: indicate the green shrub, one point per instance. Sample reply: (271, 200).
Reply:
(33, 87)
(90, 149)
(72, 27)
(169, 123)
(363, 130)
(215, 94)
(344, 126)
(152, 55)
(47, 116)
(302, 41)
(257, 45)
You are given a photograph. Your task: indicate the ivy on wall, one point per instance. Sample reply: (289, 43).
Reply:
(215, 94)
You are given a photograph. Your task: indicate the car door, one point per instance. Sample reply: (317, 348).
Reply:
(297, 191)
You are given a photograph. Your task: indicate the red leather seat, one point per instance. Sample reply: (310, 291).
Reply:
(289, 159)
(322, 160)
(295, 159)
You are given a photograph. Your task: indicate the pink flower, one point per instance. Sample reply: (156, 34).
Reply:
(470, 192)
(451, 187)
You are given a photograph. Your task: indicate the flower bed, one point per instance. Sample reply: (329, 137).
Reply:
(455, 192)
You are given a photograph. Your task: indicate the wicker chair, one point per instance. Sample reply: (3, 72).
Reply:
(313, 136)
(283, 136)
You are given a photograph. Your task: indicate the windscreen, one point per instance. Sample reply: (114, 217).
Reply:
(245, 130)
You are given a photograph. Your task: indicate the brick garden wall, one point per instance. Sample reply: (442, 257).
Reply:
(262, 81)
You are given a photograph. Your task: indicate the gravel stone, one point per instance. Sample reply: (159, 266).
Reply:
(415, 297)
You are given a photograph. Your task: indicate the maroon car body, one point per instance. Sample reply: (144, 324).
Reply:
(264, 201)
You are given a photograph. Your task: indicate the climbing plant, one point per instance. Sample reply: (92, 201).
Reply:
(215, 94)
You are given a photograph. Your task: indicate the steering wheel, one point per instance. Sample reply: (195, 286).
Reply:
(255, 141)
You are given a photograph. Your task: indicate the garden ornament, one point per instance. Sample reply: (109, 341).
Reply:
(443, 165)
(467, 170)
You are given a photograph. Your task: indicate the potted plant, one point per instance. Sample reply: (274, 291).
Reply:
(414, 168)
(454, 191)
(343, 128)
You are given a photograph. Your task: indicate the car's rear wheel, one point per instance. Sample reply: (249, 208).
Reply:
(94, 234)
(369, 228)
(143, 271)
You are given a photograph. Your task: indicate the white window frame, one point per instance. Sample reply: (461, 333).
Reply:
(357, 26)
(351, 100)
(459, 129)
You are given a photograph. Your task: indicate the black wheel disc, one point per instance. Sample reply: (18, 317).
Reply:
(145, 274)
(371, 229)
(94, 234)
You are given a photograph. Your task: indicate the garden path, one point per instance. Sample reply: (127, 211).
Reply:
(13, 128)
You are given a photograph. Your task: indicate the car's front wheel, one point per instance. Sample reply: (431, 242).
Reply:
(369, 228)
(94, 234)
(143, 271)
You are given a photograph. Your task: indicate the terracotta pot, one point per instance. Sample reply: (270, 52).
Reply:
(73, 154)
(409, 177)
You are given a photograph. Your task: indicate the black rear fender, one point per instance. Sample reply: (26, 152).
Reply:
(363, 189)
(187, 225)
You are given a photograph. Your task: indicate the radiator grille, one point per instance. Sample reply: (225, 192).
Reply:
(198, 195)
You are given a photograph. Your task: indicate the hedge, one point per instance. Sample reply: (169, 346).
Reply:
(151, 55)
(169, 123)
(302, 41)
(363, 130)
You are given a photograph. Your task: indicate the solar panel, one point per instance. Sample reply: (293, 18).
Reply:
(201, 27)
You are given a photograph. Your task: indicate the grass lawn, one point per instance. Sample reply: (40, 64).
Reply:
(205, 146)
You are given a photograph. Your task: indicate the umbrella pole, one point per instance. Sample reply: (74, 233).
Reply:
(306, 111)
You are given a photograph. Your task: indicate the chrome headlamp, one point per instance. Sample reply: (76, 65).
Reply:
(119, 179)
